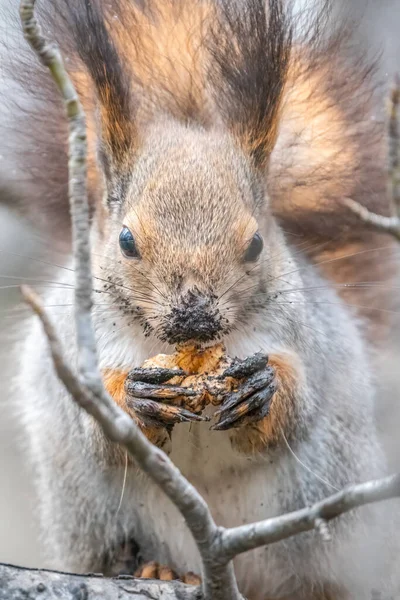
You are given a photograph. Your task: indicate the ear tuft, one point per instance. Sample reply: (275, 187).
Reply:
(96, 48)
(250, 50)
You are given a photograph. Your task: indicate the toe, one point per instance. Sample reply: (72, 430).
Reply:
(166, 574)
(156, 376)
(163, 414)
(147, 571)
(154, 570)
(244, 368)
(191, 579)
(140, 389)
(253, 409)
(253, 384)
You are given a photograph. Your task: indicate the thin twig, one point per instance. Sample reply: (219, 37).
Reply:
(394, 145)
(247, 537)
(390, 225)
(50, 56)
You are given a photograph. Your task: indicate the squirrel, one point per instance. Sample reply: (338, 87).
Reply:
(222, 137)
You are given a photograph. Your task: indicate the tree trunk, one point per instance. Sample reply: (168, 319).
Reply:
(17, 583)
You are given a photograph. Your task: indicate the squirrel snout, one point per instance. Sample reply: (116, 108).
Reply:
(194, 317)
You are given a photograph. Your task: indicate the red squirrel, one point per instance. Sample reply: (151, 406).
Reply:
(223, 136)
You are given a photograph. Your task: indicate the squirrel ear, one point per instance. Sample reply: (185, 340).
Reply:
(99, 54)
(250, 53)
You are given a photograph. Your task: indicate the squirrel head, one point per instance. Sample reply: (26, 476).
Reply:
(184, 152)
(187, 236)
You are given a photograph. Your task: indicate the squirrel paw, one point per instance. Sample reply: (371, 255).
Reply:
(251, 401)
(151, 398)
(153, 570)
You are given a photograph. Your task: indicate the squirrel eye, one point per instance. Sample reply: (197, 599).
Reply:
(254, 249)
(127, 244)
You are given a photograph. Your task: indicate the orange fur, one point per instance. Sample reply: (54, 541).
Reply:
(114, 382)
(154, 570)
(118, 132)
(167, 54)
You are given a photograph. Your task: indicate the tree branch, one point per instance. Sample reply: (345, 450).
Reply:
(41, 584)
(390, 225)
(394, 145)
(247, 537)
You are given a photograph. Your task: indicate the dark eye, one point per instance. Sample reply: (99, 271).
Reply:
(127, 244)
(254, 249)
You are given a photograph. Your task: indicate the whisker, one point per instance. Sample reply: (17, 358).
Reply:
(70, 304)
(120, 285)
(35, 279)
(384, 310)
(61, 267)
(39, 285)
(38, 239)
(123, 483)
(322, 479)
(353, 286)
(362, 285)
(269, 259)
(307, 326)
(39, 260)
(331, 260)
(138, 271)
(114, 331)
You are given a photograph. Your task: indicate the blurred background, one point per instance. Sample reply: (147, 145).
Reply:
(378, 31)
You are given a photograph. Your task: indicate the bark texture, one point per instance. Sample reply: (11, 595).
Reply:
(17, 583)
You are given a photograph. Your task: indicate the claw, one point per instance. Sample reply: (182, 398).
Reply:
(255, 382)
(165, 414)
(255, 408)
(156, 375)
(140, 389)
(244, 368)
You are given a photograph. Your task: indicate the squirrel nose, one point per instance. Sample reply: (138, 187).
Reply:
(194, 317)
